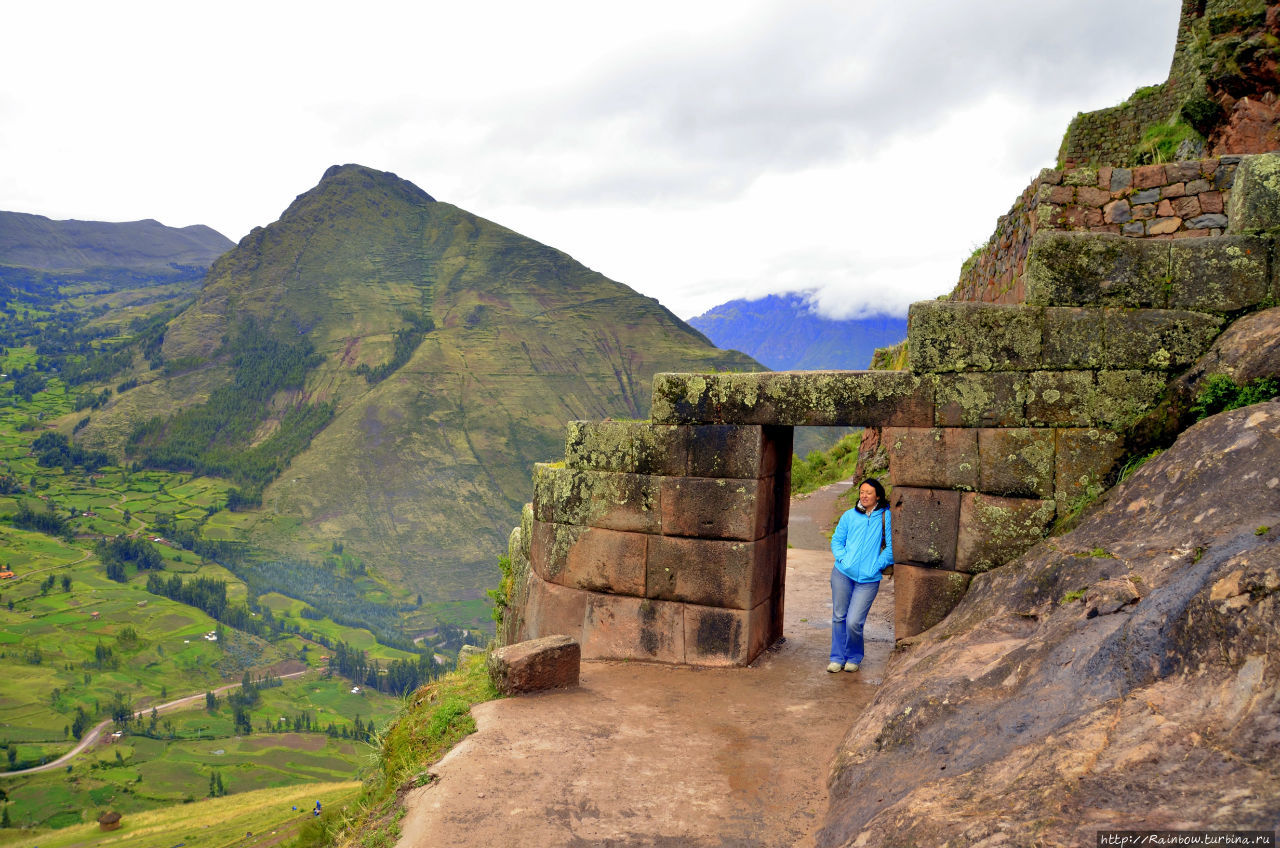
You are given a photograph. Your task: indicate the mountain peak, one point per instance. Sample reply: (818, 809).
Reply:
(365, 178)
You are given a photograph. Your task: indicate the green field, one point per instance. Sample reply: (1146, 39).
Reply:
(262, 817)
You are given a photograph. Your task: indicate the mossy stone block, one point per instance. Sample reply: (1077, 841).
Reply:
(1156, 339)
(1255, 197)
(1095, 269)
(994, 530)
(794, 398)
(1218, 274)
(980, 400)
(1072, 338)
(924, 525)
(1060, 398)
(932, 457)
(1083, 461)
(626, 446)
(711, 572)
(594, 559)
(596, 498)
(959, 336)
(1016, 462)
(716, 507)
(1122, 396)
(550, 546)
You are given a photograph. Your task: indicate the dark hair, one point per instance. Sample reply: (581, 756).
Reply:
(881, 500)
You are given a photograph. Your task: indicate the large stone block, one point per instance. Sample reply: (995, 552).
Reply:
(596, 498)
(1122, 396)
(1060, 398)
(1072, 338)
(1219, 274)
(794, 398)
(723, 637)
(995, 530)
(924, 525)
(716, 507)
(730, 450)
(1156, 339)
(627, 446)
(1087, 269)
(712, 572)
(1016, 461)
(549, 548)
(981, 400)
(552, 662)
(958, 336)
(607, 561)
(922, 597)
(1255, 199)
(1083, 461)
(621, 627)
(932, 458)
(552, 610)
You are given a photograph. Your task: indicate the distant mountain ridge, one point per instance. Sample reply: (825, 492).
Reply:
(784, 333)
(37, 242)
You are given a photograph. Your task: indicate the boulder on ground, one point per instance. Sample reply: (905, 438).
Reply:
(552, 662)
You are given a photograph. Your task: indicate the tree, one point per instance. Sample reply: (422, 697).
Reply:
(13, 756)
(210, 701)
(66, 583)
(4, 817)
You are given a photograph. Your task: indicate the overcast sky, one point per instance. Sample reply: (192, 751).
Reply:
(696, 151)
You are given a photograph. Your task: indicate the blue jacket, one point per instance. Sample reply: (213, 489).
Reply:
(856, 545)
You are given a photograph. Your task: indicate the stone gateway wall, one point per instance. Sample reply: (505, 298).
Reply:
(665, 540)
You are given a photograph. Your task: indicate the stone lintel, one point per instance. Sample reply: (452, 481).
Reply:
(994, 530)
(922, 597)
(716, 507)
(795, 398)
(1016, 461)
(961, 336)
(596, 498)
(924, 525)
(932, 457)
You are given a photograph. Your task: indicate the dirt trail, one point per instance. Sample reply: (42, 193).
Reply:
(651, 755)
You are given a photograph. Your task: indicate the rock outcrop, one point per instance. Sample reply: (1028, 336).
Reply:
(1120, 676)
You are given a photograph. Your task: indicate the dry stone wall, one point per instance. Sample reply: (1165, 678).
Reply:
(1173, 201)
(665, 540)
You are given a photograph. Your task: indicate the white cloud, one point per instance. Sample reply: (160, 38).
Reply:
(697, 152)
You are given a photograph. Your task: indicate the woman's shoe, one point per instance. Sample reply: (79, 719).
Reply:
(849, 666)
(834, 667)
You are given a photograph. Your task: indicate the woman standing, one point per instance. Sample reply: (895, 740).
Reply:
(863, 548)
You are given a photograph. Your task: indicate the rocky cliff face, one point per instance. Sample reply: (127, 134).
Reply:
(1120, 676)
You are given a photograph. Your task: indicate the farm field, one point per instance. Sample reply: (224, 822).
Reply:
(259, 818)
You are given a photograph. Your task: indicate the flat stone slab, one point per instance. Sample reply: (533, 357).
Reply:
(795, 399)
(552, 662)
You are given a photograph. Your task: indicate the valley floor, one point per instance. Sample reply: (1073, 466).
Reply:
(653, 755)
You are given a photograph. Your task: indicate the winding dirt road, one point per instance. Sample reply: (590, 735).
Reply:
(654, 755)
(93, 735)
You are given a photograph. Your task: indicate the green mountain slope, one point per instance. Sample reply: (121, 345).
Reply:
(453, 351)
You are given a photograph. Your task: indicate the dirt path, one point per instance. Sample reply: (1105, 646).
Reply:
(653, 755)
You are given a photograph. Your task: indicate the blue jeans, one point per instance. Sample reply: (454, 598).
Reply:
(850, 603)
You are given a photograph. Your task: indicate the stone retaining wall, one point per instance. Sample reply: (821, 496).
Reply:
(1177, 200)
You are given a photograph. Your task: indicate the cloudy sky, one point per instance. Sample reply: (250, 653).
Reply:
(696, 151)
